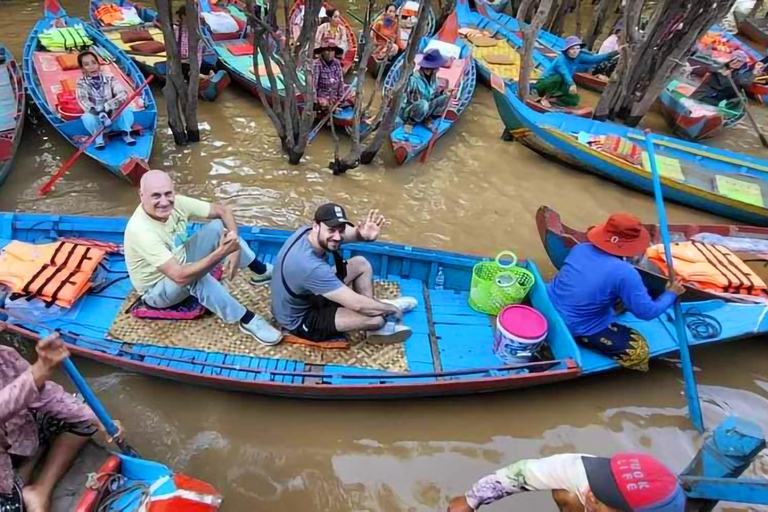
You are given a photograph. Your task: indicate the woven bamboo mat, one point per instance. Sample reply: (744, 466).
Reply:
(211, 334)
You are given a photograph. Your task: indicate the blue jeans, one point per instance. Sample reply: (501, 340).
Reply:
(123, 123)
(210, 292)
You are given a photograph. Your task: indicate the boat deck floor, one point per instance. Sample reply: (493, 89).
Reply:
(447, 335)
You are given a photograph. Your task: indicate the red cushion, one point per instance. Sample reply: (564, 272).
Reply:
(134, 36)
(148, 47)
(241, 49)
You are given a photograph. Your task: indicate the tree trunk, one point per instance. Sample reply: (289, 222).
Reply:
(175, 90)
(558, 23)
(756, 8)
(577, 13)
(598, 22)
(291, 112)
(650, 59)
(529, 42)
(193, 82)
(393, 101)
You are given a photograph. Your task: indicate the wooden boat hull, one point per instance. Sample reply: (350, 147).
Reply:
(449, 353)
(12, 110)
(127, 162)
(693, 120)
(558, 239)
(506, 28)
(149, 65)
(461, 76)
(751, 29)
(701, 171)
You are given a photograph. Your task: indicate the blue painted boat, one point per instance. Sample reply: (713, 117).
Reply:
(508, 42)
(130, 483)
(449, 353)
(12, 109)
(149, 64)
(461, 75)
(713, 180)
(547, 48)
(45, 79)
(694, 120)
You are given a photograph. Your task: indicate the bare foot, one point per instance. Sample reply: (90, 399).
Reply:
(35, 499)
(545, 102)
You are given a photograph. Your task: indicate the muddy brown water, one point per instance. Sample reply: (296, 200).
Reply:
(477, 194)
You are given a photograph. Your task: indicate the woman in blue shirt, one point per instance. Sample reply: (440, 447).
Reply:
(557, 83)
(595, 277)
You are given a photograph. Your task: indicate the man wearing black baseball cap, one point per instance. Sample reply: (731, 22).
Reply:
(317, 302)
(626, 482)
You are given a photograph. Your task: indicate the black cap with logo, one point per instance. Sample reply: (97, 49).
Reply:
(332, 215)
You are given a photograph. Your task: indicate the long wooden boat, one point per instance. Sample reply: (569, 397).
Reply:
(449, 353)
(295, 20)
(150, 64)
(12, 109)
(460, 75)
(486, 27)
(714, 50)
(713, 180)
(558, 240)
(548, 45)
(45, 78)
(691, 119)
(755, 29)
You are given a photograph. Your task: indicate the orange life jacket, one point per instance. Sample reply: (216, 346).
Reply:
(57, 273)
(710, 267)
(109, 13)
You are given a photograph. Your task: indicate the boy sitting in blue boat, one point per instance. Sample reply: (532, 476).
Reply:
(626, 482)
(314, 301)
(166, 266)
(557, 83)
(423, 96)
(100, 95)
(595, 277)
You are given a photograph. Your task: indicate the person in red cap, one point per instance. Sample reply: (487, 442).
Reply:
(627, 482)
(595, 277)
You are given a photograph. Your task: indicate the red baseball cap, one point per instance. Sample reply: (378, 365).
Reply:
(634, 482)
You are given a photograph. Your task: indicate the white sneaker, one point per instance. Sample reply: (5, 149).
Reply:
(261, 330)
(263, 278)
(389, 334)
(405, 304)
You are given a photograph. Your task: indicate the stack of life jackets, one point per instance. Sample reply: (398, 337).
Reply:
(710, 267)
(57, 273)
(113, 15)
(66, 38)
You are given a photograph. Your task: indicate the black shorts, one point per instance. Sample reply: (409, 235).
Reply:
(319, 323)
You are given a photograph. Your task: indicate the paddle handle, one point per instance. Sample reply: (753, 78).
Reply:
(319, 126)
(46, 188)
(760, 135)
(691, 390)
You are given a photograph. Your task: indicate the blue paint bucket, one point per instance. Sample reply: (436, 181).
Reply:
(520, 333)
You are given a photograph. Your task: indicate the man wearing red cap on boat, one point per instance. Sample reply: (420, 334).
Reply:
(627, 482)
(595, 277)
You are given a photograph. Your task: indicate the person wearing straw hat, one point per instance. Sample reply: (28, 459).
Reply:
(328, 74)
(423, 95)
(557, 82)
(626, 482)
(717, 87)
(595, 276)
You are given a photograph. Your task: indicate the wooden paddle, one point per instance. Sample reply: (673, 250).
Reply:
(743, 99)
(691, 391)
(94, 403)
(64, 168)
(322, 122)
